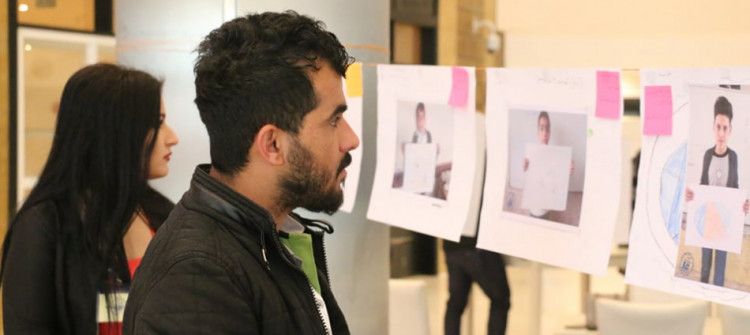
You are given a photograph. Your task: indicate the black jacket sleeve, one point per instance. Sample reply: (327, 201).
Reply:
(733, 181)
(29, 298)
(706, 162)
(196, 295)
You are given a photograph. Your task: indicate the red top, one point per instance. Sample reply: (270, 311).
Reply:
(115, 328)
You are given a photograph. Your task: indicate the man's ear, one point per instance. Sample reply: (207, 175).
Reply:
(269, 143)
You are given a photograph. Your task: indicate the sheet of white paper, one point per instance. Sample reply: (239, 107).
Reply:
(443, 211)
(657, 257)
(353, 116)
(625, 211)
(547, 177)
(715, 218)
(420, 161)
(472, 221)
(580, 237)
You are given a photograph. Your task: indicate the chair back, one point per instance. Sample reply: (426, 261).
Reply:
(734, 321)
(407, 307)
(626, 318)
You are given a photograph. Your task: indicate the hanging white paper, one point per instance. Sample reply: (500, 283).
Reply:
(625, 212)
(353, 116)
(413, 108)
(420, 161)
(715, 218)
(548, 170)
(472, 220)
(579, 236)
(658, 256)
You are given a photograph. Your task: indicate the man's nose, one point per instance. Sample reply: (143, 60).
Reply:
(350, 140)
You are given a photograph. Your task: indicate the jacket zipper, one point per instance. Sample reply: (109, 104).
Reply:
(263, 249)
(281, 248)
(325, 263)
(328, 282)
(320, 312)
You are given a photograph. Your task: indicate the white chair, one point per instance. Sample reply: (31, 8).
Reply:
(647, 295)
(407, 307)
(626, 318)
(734, 321)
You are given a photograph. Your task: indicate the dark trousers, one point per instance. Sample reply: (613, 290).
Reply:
(488, 270)
(719, 267)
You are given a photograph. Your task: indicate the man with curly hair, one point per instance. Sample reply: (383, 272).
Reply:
(232, 258)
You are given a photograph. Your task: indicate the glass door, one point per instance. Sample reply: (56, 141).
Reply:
(46, 59)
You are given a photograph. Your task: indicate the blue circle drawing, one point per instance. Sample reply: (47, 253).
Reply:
(670, 194)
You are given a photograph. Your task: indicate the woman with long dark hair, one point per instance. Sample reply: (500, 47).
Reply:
(71, 250)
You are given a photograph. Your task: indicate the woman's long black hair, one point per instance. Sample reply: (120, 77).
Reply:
(97, 169)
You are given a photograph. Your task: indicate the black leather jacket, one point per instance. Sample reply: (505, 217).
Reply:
(217, 266)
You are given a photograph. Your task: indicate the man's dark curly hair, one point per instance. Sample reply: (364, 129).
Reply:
(253, 71)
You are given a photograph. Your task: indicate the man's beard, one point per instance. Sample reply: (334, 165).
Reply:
(307, 184)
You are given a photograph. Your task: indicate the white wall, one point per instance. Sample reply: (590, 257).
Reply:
(625, 34)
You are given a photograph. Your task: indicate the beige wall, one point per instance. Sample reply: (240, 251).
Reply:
(625, 34)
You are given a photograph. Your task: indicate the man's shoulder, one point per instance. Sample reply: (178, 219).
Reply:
(192, 232)
(192, 229)
(192, 262)
(191, 240)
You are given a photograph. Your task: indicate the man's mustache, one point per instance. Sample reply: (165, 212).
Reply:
(344, 163)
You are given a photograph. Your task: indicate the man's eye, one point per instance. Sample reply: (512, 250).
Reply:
(335, 121)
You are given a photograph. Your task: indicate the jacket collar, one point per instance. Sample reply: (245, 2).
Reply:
(227, 202)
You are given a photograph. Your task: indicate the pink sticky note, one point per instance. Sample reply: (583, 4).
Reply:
(658, 110)
(460, 90)
(608, 98)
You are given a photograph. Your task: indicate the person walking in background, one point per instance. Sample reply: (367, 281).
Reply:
(467, 265)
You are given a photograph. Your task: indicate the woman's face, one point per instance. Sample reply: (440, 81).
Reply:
(158, 164)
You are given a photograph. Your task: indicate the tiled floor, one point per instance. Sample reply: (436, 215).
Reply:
(555, 293)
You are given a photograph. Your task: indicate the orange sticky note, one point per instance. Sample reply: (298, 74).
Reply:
(354, 80)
